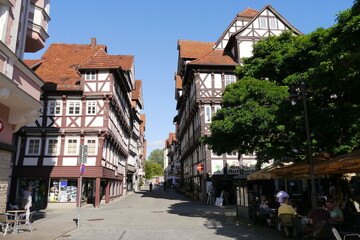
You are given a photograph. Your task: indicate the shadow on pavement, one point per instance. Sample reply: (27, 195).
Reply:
(222, 219)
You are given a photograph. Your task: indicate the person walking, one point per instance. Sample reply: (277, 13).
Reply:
(150, 186)
(27, 201)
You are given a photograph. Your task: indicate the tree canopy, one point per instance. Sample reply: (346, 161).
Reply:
(157, 156)
(257, 115)
(153, 169)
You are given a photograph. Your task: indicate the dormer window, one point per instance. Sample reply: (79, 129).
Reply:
(90, 75)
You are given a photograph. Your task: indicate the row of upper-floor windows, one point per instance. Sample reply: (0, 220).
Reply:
(73, 107)
(53, 145)
(264, 22)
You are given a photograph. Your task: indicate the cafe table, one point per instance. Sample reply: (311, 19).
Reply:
(16, 213)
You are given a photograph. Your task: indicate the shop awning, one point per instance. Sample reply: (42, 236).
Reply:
(347, 163)
(267, 173)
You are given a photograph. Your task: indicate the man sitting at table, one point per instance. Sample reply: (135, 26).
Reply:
(290, 224)
(319, 214)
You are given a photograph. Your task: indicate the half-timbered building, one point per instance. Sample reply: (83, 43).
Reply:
(204, 70)
(87, 102)
(23, 28)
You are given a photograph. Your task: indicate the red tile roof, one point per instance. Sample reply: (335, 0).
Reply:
(215, 57)
(60, 62)
(125, 61)
(32, 62)
(249, 13)
(136, 92)
(100, 60)
(194, 49)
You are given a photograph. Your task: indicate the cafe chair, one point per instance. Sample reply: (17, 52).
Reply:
(338, 237)
(287, 222)
(7, 219)
(322, 230)
(22, 220)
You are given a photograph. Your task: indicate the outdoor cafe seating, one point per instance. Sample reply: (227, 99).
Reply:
(14, 220)
(7, 221)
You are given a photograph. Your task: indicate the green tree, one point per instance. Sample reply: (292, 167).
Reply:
(157, 156)
(153, 169)
(259, 117)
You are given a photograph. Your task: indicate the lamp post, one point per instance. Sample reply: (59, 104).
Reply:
(309, 157)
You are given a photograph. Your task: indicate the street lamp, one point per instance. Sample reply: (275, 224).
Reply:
(309, 157)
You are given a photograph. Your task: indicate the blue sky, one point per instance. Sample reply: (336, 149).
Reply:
(150, 31)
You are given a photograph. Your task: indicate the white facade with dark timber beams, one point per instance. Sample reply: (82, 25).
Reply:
(87, 100)
(204, 70)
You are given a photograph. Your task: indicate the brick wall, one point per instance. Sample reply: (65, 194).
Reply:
(5, 158)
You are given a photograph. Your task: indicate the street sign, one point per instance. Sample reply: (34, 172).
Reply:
(200, 167)
(2, 126)
(82, 169)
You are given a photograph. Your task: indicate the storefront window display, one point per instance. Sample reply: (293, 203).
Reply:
(39, 189)
(63, 190)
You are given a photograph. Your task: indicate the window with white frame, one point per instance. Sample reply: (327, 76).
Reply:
(217, 108)
(74, 108)
(72, 146)
(91, 107)
(90, 75)
(207, 114)
(229, 79)
(54, 108)
(33, 146)
(273, 23)
(263, 22)
(92, 145)
(52, 146)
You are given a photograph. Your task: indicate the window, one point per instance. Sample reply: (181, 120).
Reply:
(217, 108)
(91, 107)
(208, 114)
(229, 79)
(273, 23)
(72, 146)
(90, 75)
(33, 146)
(74, 107)
(262, 22)
(54, 108)
(91, 143)
(52, 146)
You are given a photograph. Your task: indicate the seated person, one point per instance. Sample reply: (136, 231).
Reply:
(295, 225)
(319, 220)
(319, 214)
(336, 215)
(265, 210)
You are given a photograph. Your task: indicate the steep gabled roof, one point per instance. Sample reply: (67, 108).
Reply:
(278, 15)
(60, 62)
(245, 15)
(215, 57)
(193, 49)
(100, 60)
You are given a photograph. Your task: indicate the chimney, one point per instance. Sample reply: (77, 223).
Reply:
(93, 43)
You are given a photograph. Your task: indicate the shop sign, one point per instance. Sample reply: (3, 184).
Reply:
(233, 168)
(217, 167)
